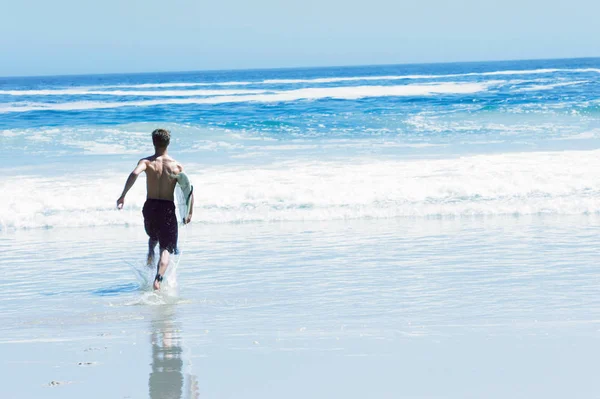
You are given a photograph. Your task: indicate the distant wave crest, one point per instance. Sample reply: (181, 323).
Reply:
(361, 78)
(346, 93)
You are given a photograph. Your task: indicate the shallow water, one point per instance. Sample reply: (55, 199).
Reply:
(263, 307)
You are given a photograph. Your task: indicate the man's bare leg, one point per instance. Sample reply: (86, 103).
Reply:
(161, 267)
(151, 245)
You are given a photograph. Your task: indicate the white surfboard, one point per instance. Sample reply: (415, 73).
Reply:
(184, 191)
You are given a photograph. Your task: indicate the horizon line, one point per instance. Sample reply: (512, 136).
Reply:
(293, 67)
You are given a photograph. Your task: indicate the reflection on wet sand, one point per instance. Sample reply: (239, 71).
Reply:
(168, 379)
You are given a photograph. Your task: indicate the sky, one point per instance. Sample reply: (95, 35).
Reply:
(40, 37)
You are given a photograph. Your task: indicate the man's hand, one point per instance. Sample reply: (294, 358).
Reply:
(120, 202)
(188, 219)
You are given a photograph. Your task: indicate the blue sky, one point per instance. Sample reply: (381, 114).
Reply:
(73, 36)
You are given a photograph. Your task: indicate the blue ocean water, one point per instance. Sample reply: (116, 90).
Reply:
(458, 139)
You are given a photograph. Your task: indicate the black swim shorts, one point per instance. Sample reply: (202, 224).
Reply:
(160, 223)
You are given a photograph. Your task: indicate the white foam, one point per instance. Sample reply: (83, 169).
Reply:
(345, 93)
(590, 134)
(409, 77)
(102, 90)
(550, 86)
(93, 147)
(179, 84)
(122, 93)
(561, 183)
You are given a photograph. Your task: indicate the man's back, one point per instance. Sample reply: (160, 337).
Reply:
(161, 172)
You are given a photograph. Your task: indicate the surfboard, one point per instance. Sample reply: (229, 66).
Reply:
(184, 191)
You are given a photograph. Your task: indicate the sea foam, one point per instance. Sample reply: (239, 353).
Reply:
(561, 183)
(343, 93)
(123, 93)
(108, 89)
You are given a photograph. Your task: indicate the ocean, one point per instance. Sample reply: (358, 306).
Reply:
(358, 232)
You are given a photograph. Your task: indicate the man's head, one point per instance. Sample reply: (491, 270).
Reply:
(161, 138)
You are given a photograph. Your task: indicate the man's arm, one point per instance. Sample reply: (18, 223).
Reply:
(141, 166)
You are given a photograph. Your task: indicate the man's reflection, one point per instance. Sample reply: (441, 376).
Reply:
(167, 379)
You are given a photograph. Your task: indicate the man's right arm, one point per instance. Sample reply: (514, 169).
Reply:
(141, 166)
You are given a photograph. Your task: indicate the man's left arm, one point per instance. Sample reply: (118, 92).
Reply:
(141, 166)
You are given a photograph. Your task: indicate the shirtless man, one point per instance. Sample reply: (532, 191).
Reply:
(160, 221)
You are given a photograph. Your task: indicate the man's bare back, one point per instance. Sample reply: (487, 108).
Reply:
(161, 176)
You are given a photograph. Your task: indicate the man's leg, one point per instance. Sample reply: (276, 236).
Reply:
(167, 240)
(150, 225)
(161, 267)
(151, 245)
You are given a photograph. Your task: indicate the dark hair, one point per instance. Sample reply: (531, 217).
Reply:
(161, 138)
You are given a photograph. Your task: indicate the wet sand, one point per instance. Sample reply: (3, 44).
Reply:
(416, 308)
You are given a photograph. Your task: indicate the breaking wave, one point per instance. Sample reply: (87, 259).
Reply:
(344, 93)
(561, 183)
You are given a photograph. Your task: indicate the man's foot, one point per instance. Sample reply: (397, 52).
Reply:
(157, 280)
(150, 260)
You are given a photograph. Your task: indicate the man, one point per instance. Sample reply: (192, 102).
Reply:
(160, 221)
